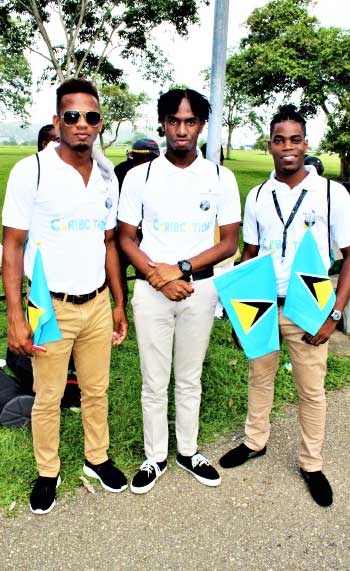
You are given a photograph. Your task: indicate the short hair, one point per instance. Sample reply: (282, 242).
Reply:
(287, 113)
(43, 135)
(75, 85)
(168, 103)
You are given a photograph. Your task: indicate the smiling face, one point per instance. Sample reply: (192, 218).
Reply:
(182, 130)
(288, 147)
(80, 136)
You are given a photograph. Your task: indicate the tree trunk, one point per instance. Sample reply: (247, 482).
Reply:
(344, 167)
(228, 146)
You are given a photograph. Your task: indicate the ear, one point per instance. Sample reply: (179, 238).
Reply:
(306, 145)
(56, 122)
(202, 123)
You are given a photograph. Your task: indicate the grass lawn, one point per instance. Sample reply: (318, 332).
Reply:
(224, 375)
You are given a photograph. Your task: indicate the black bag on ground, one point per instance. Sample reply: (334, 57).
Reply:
(15, 407)
(21, 367)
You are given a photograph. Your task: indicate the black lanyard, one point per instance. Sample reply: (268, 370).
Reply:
(291, 216)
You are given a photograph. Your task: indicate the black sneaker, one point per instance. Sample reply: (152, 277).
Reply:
(200, 468)
(319, 487)
(42, 498)
(110, 477)
(239, 455)
(145, 479)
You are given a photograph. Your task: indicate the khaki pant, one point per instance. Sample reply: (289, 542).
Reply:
(164, 326)
(87, 330)
(309, 364)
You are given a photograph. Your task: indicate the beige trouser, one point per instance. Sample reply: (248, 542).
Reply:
(87, 330)
(161, 325)
(309, 364)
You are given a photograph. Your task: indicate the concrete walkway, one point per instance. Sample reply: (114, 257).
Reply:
(261, 518)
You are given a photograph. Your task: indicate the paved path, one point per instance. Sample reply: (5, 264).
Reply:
(260, 519)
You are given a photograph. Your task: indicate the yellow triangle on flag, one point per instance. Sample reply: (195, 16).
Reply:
(245, 313)
(34, 314)
(323, 292)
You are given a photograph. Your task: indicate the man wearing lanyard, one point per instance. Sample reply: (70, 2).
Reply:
(179, 197)
(276, 214)
(70, 207)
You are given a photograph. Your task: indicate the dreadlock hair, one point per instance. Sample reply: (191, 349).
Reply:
(75, 85)
(287, 113)
(168, 103)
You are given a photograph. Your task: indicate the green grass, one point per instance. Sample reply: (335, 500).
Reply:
(224, 376)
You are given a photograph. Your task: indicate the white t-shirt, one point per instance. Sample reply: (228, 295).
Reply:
(313, 212)
(66, 217)
(178, 207)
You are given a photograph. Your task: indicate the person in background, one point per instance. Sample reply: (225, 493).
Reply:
(143, 151)
(46, 134)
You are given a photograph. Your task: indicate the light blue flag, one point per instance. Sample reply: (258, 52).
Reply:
(40, 312)
(310, 295)
(248, 293)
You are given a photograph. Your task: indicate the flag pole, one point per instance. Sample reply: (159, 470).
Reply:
(217, 79)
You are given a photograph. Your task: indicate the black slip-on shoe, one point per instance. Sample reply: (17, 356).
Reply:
(319, 487)
(239, 455)
(111, 478)
(43, 497)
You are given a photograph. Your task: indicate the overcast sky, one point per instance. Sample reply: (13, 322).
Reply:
(189, 57)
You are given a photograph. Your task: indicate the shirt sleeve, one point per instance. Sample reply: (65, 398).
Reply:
(229, 205)
(250, 224)
(340, 215)
(130, 203)
(20, 194)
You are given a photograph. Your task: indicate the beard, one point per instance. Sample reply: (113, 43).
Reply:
(80, 147)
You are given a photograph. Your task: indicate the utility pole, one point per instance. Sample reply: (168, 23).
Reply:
(217, 79)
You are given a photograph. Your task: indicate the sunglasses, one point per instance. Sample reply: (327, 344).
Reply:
(72, 117)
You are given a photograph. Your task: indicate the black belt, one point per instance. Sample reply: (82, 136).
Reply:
(281, 301)
(77, 299)
(196, 276)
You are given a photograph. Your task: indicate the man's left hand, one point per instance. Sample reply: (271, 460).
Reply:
(161, 274)
(120, 327)
(322, 335)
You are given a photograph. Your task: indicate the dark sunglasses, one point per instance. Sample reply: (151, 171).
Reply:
(72, 117)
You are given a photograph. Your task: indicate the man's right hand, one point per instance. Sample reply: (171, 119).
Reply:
(19, 336)
(177, 290)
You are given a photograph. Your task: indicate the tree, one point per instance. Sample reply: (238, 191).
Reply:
(91, 30)
(287, 52)
(261, 144)
(238, 106)
(15, 74)
(118, 105)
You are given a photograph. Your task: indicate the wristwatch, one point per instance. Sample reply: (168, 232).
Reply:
(186, 268)
(336, 315)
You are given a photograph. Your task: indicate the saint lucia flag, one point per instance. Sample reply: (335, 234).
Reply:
(248, 293)
(40, 312)
(310, 296)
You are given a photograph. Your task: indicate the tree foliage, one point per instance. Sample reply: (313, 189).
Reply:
(287, 51)
(15, 74)
(118, 105)
(78, 37)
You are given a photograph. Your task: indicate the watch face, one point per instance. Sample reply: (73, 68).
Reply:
(186, 266)
(336, 315)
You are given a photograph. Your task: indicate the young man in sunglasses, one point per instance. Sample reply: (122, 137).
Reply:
(179, 197)
(66, 200)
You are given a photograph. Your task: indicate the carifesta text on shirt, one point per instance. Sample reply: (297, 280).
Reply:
(192, 227)
(77, 225)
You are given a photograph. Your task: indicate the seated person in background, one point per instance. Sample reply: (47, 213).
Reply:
(143, 150)
(47, 134)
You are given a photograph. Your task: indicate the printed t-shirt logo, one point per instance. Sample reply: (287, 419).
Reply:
(204, 205)
(250, 311)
